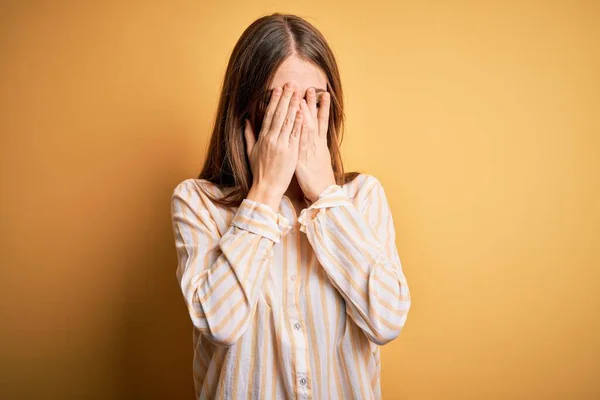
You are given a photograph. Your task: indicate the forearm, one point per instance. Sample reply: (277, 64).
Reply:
(365, 270)
(221, 275)
(223, 296)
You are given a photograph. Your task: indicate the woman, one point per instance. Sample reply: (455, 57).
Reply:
(288, 265)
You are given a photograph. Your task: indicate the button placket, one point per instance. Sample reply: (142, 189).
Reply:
(294, 313)
(304, 388)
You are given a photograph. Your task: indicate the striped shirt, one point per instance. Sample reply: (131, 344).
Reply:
(288, 306)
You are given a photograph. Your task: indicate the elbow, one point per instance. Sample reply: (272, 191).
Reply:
(382, 337)
(220, 337)
(223, 330)
(381, 331)
(386, 330)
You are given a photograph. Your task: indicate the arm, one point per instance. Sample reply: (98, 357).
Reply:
(357, 249)
(221, 276)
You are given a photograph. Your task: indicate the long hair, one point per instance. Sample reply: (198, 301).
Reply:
(261, 49)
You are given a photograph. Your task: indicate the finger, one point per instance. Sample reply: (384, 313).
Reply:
(282, 109)
(305, 131)
(310, 128)
(249, 134)
(311, 100)
(323, 115)
(275, 95)
(289, 120)
(297, 129)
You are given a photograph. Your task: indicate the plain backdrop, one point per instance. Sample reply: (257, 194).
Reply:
(480, 118)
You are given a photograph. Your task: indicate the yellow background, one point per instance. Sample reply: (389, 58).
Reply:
(480, 118)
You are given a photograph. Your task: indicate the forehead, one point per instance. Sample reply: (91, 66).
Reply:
(302, 72)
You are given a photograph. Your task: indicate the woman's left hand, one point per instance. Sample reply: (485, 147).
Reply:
(314, 171)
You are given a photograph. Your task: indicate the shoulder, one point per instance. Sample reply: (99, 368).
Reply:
(362, 187)
(365, 191)
(194, 193)
(195, 187)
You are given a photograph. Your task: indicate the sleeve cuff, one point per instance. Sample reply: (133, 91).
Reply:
(332, 196)
(260, 219)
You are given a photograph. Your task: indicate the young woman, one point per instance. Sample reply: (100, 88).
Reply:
(288, 265)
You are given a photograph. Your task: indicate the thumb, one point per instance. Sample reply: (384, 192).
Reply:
(249, 134)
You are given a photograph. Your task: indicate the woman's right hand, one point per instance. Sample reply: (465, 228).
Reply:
(273, 157)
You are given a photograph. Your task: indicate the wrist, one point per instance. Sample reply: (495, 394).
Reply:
(266, 196)
(320, 191)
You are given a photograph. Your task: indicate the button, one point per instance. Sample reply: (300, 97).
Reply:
(293, 277)
(303, 381)
(297, 326)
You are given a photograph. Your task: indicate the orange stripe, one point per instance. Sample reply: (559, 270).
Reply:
(360, 370)
(338, 383)
(276, 358)
(236, 371)
(322, 280)
(253, 350)
(346, 372)
(266, 343)
(310, 319)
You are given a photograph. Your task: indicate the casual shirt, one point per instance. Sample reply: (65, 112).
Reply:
(288, 306)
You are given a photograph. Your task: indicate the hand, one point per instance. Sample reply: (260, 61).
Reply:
(274, 155)
(314, 171)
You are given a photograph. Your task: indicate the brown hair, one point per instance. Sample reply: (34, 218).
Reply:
(261, 49)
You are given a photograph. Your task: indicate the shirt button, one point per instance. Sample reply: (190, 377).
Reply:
(293, 277)
(297, 326)
(303, 381)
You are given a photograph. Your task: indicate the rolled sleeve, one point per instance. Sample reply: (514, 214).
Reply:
(332, 196)
(260, 219)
